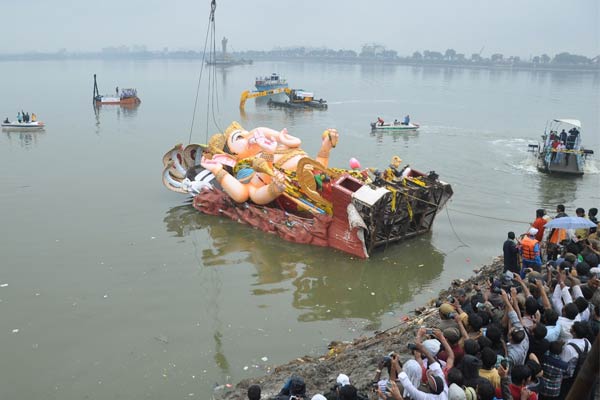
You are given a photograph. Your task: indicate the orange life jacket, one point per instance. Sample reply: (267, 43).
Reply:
(528, 248)
(558, 235)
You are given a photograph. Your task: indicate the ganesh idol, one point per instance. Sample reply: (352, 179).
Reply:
(258, 165)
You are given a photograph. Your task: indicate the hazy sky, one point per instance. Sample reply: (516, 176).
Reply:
(511, 27)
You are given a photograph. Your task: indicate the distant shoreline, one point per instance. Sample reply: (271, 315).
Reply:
(191, 55)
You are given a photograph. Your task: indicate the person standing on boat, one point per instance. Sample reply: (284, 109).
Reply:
(563, 137)
(19, 117)
(406, 120)
(380, 121)
(33, 117)
(571, 139)
(117, 91)
(555, 144)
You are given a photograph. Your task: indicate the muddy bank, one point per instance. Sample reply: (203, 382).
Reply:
(358, 359)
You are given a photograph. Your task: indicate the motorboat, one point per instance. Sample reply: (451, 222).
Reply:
(395, 126)
(560, 151)
(22, 126)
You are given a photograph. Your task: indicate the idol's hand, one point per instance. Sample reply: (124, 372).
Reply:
(329, 139)
(212, 165)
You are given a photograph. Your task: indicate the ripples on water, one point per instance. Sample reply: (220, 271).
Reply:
(134, 294)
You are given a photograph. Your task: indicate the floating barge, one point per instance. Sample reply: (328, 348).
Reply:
(364, 216)
(126, 97)
(296, 98)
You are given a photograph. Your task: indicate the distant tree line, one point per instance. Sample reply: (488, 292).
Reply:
(450, 56)
(371, 52)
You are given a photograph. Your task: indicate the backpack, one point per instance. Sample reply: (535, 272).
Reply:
(581, 356)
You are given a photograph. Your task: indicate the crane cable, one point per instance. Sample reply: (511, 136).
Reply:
(210, 32)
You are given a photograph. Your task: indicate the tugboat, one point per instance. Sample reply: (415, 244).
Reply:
(561, 151)
(297, 98)
(274, 81)
(123, 97)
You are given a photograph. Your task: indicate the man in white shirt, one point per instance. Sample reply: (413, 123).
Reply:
(435, 380)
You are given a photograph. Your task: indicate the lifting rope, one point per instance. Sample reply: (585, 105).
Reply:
(212, 94)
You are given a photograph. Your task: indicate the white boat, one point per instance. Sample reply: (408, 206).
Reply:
(397, 126)
(561, 151)
(24, 126)
(274, 81)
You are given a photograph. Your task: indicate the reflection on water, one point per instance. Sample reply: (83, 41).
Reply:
(377, 71)
(406, 136)
(181, 220)
(347, 289)
(124, 110)
(25, 139)
(554, 190)
(325, 284)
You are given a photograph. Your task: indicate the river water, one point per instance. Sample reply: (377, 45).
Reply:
(114, 287)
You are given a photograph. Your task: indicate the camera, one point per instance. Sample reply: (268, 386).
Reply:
(497, 290)
(532, 280)
(387, 361)
(411, 346)
(429, 331)
(450, 299)
(504, 363)
(480, 306)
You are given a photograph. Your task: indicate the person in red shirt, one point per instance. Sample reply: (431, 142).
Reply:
(539, 223)
(520, 375)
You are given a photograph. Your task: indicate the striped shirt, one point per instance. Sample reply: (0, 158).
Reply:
(554, 370)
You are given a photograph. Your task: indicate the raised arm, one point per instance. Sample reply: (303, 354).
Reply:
(504, 383)
(524, 286)
(463, 332)
(515, 305)
(450, 359)
(329, 140)
(542, 289)
(508, 310)
(557, 296)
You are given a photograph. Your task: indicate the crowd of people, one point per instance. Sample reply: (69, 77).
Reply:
(569, 140)
(523, 334)
(563, 141)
